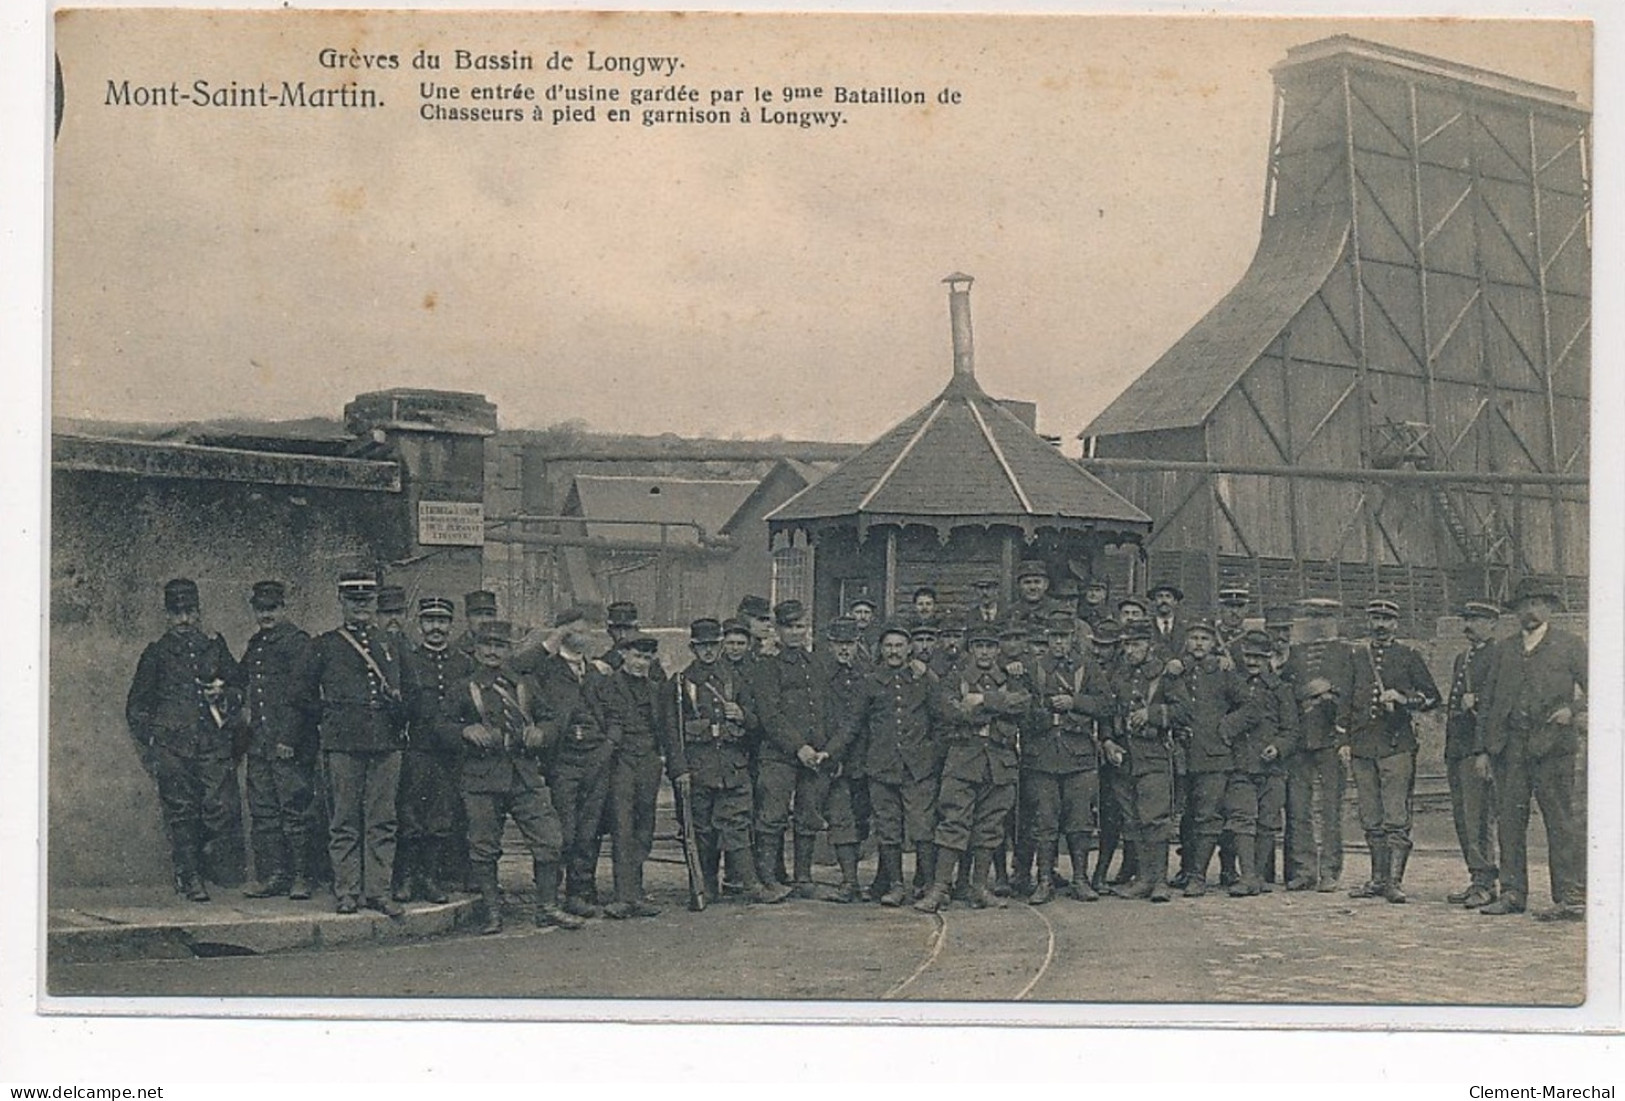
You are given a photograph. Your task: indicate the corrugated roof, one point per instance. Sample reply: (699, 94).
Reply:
(1297, 253)
(708, 503)
(961, 460)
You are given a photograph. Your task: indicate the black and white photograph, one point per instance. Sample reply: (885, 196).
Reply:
(1026, 517)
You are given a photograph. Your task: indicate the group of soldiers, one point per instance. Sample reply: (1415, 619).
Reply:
(983, 741)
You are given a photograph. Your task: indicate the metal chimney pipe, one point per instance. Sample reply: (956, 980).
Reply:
(959, 318)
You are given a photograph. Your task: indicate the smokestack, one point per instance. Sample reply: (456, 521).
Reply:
(959, 317)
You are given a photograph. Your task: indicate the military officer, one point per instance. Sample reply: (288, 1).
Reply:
(357, 685)
(848, 678)
(1231, 621)
(502, 778)
(1532, 740)
(983, 709)
(1264, 734)
(430, 789)
(1060, 779)
(281, 749)
(479, 606)
(795, 719)
(635, 711)
(392, 615)
(567, 688)
(710, 762)
(1391, 685)
(897, 720)
(1320, 669)
(1148, 707)
(186, 686)
(1214, 696)
(1466, 761)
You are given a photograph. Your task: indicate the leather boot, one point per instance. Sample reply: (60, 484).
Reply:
(925, 864)
(1246, 883)
(751, 884)
(710, 858)
(779, 873)
(1044, 877)
(1157, 874)
(1103, 861)
(1129, 870)
(547, 898)
(1227, 860)
(485, 877)
(1000, 871)
(405, 868)
(803, 881)
(1022, 879)
(733, 875)
(767, 845)
(846, 856)
(1399, 854)
(431, 859)
(961, 890)
(891, 867)
(300, 887)
(940, 890)
(1083, 888)
(1377, 884)
(1264, 861)
(981, 896)
(270, 876)
(1201, 857)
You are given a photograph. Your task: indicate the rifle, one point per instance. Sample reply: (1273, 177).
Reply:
(683, 791)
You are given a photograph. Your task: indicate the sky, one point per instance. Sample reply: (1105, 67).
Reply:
(1101, 178)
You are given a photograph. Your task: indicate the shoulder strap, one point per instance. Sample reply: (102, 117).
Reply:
(479, 701)
(367, 657)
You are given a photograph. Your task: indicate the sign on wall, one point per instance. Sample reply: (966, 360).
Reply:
(451, 523)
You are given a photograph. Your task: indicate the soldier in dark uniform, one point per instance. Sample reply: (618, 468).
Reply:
(1256, 792)
(1231, 621)
(1532, 739)
(794, 708)
(1320, 670)
(479, 606)
(738, 652)
(1033, 603)
(1060, 778)
(1018, 661)
(1168, 620)
(923, 637)
(757, 614)
(1472, 791)
(1214, 695)
(186, 687)
(392, 615)
(1278, 625)
(634, 711)
(430, 786)
(1149, 707)
(281, 748)
(710, 761)
(502, 747)
(1116, 779)
(897, 722)
(950, 652)
(1093, 607)
(357, 684)
(862, 611)
(566, 688)
(1391, 684)
(848, 676)
(982, 709)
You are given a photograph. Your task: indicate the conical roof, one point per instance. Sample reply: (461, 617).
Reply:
(962, 460)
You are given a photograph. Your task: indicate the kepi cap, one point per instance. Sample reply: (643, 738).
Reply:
(1480, 609)
(439, 607)
(357, 585)
(180, 595)
(842, 629)
(705, 631)
(789, 612)
(1382, 607)
(755, 607)
(480, 602)
(268, 595)
(391, 599)
(621, 613)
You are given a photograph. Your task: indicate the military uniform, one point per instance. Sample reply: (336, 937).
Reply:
(1533, 754)
(1214, 694)
(361, 703)
(568, 701)
(1382, 740)
(634, 712)
(898, 723)
(1472, 797)
(431, 788)
(1137, 688)
(1060, 774)
(1321, 674)
(281, 764)
(712, 751)
(1265, 735)
(185, 742)
(505, 779)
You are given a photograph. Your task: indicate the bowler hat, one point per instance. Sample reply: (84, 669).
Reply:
(268, 595)
(1166, 587)
(180, 595)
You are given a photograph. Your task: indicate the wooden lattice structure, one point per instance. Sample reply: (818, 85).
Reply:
(1419, 303)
